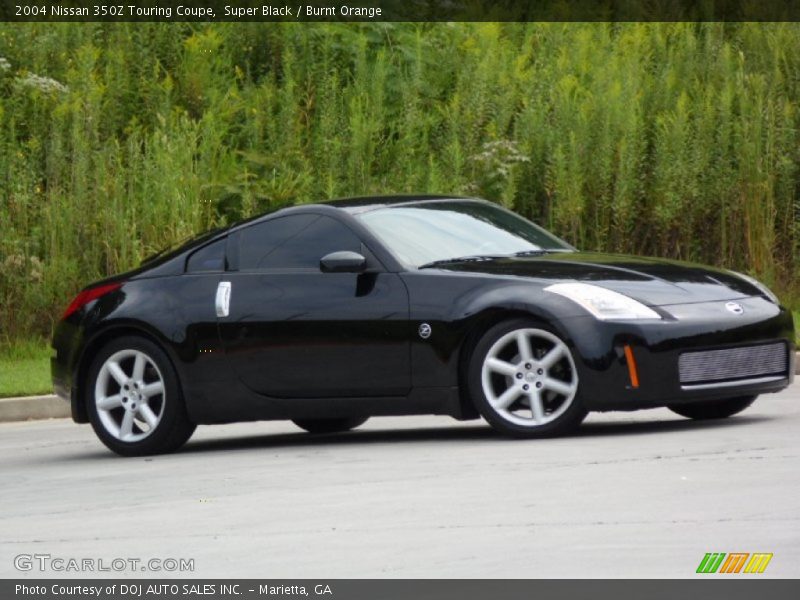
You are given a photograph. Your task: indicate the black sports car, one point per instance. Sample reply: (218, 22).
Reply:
(327, 314)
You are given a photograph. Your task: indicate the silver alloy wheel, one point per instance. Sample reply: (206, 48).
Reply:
(529, 377)
(129, 395)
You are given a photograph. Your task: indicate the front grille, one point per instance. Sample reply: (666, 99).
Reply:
(733, 363)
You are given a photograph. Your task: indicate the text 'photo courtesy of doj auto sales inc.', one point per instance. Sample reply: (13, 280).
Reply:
(167, 590)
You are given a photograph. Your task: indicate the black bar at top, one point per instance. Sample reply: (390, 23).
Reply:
(398, 10)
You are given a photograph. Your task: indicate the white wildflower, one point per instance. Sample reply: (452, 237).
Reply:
(495, 163)
(4, 64)
(43, 84)
(501, 154)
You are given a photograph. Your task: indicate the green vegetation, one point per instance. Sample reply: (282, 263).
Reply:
(25, 369)
(796, 317)
(669, 139)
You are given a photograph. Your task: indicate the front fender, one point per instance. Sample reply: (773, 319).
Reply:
(460, 307)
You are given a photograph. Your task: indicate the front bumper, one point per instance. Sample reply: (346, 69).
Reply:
(656, 347)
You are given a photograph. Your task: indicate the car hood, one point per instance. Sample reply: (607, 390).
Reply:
(656, 282)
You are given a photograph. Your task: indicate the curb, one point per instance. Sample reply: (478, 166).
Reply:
(33, 407)
(53, 407)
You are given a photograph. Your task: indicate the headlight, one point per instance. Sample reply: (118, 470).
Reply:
(603, 303)
(761, 287)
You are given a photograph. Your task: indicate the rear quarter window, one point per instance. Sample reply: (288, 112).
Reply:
(208, 259)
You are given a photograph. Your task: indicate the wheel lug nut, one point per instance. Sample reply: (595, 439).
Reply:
(538, 384)
(519, 375)
(526, 387)
(528, 366)
(540, 371)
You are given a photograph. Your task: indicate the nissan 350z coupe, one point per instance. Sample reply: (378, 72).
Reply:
(327, 314)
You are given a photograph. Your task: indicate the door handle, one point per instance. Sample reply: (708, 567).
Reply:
(223, 301)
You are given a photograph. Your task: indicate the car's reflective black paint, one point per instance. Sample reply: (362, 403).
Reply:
(307, 343)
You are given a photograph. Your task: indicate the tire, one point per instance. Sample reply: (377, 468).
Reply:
(713, 409)
(329, 425)
(134, 400)
(547, 399)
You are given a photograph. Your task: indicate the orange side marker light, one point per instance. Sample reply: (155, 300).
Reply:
(632, 371)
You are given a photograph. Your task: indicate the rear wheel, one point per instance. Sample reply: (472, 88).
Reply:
(713, 409)
(329, 425)
(523, 380)
(134, 401)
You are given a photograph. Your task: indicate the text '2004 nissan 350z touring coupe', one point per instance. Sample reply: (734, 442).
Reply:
(327, 314)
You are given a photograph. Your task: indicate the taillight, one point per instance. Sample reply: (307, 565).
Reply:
(90, 295)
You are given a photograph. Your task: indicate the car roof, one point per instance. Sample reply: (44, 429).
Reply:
(352, 206)
(359, 203)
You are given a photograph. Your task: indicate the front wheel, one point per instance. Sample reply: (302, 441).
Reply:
(523, 380)
(713, 409)
(329, 425)
(134, 399)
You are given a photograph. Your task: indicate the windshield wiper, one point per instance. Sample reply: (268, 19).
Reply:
(541, 251)
(482, 257)
(457, 259)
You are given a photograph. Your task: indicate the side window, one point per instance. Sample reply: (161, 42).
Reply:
(207, 259)
(258, 242)
(296, 242)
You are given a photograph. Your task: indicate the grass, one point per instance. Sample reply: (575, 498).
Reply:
(796, 315)
(25, 369)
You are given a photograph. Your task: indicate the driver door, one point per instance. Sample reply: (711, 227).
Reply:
(293, 331)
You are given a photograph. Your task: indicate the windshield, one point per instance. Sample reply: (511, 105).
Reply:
(424, 233)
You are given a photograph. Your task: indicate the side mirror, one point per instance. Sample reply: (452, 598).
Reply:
(343, 262)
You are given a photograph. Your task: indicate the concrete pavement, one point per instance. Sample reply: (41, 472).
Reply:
(642, 494)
